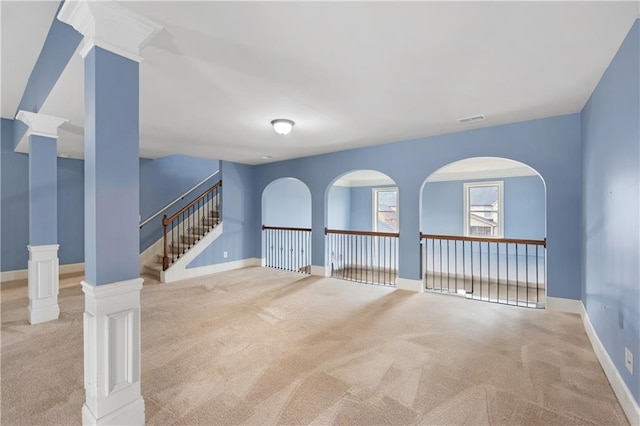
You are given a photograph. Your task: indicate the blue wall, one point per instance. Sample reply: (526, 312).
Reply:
(240, 216)
(409, 163)
(339, 208)
(611, 208)
(70, 210)
(15, 203)
(524, 211)
(163, 180)
(15, 206)
(286, 203)
(351, 207)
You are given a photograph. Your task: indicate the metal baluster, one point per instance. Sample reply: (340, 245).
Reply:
(507, 261)
(517, 281)
(526, 265)
(455, 260)
(488, 272)
(472, 274)
(537, 282)
(480, 266)
(498, 268)
(464, 268)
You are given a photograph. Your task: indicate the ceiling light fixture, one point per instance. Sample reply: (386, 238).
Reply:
(282, 126)
(266, 157)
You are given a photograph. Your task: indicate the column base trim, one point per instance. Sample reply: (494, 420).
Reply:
(49, 312)
(561, 304)
(112, 353)
(410, 285)
(321, 271)
(131, 414)
(43, 283)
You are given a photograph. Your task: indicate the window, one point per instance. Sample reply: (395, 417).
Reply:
(483, 204)
(385, 210)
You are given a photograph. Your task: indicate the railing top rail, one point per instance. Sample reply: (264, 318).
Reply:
(484, 239)
(366, 233)
(168, 220)
(156, 214)
(280, 228)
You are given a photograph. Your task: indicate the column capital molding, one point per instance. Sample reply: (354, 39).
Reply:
(109, 25)
(41, 124)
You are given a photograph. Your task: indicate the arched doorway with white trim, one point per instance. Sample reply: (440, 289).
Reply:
(483, 231)
(362, 238)
(286, 225)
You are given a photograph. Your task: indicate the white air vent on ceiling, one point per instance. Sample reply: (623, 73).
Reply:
(471, 119)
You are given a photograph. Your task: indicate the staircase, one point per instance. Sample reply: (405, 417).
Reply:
(185, 229)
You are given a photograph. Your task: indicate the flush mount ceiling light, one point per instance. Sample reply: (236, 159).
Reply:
(282, 126)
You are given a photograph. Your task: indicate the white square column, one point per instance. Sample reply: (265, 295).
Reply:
(112, 354)
(113, 38)
(43, 282)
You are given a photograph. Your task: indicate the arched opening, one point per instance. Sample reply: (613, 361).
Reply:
(362, 228)
(483, 231)
(286, 225)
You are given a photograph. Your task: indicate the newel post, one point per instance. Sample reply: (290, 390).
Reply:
(165, 257)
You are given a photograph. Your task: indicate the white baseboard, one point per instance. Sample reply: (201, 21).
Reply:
(560, 304)
(321, 271)
(178, 270)
(626, 399)
(23, 274)
(212, 269)
(409, 284)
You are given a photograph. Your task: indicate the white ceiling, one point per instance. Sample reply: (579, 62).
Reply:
(24, 28)
(351, 74)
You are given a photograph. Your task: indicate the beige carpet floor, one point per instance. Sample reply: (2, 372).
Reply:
(263, 346)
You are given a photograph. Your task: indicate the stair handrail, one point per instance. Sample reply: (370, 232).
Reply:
(166, 221)
(181, 197)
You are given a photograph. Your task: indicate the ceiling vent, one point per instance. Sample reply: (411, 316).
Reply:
(471, 119)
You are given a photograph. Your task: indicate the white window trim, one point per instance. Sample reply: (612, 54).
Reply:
(374, 210)
(500, 185)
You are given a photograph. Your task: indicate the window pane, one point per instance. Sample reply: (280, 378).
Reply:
(387, 222)
(387, 201)
(386, 213)
(483, 197)
(484, 210)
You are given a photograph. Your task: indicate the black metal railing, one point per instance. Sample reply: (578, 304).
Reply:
(287, 248)
(499, 270)
(366, 257)
(189, 225)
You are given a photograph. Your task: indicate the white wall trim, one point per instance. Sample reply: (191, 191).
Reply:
(178, 270)
(482, 174)
(321, 271)
(560, 304)
(626, 399)
(23, 274)
(112, 332)
(219, 267)
(110, 25)
(355, 183)
(410, 285)
(43, 283)
(41, 124)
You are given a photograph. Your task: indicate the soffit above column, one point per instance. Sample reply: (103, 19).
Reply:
(109, 25)
(40, 124)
